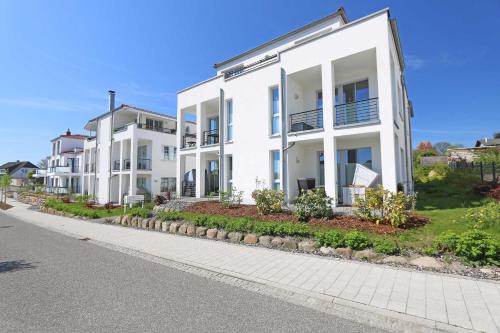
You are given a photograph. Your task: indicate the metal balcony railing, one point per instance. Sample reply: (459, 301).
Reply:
(143, 164)
(189, 140)
(306, 120)
(126, 164)
(210, 137)
(364, 111)
(157, 128)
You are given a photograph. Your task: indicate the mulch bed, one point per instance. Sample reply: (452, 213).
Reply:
(4, 206)
(343, 222)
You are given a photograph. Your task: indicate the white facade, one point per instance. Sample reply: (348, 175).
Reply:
(308, 105)
(132, 152)
(64, 165)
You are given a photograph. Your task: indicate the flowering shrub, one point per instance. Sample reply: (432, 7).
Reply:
(313, 203)
(487, 216)
(268, 201)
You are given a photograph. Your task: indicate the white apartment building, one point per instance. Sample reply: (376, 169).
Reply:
(308, 105)
(64, 165)
(132, 151)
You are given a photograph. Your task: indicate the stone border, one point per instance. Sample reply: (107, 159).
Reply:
(186, 228)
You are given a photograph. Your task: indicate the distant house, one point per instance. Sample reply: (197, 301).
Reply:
(468, 154)
(487, 142)
(18, 171)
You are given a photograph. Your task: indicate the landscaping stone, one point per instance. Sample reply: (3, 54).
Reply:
(326, 250)
(277, 241)
(151, 223)
(212, 233)
(250, 239)
(117, 220)
(235, 236)
(183, 228)
(191, 230)
(144, 223)
(290, 243)
(345, 252)
(426, 262)
(221, 234)
(133, 222)
(128, 220)
(201, 231)
(174, 227)
(164, 226)
(365, 254)
(395, 260)
(158, 225)
(307, 246)
(265, 240)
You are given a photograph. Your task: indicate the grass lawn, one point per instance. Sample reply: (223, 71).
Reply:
(80, 210)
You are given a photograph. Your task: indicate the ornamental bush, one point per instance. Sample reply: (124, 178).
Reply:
(313, 203)
(487, 216)
(139, 211)
(478, 247)
(169, 216)
(268, 201)
(356, 240)
(385, 246)
(332, 238)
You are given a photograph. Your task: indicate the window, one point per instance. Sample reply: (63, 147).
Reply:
(141, 185)
(276, 174)
(229, 173)
(321, 157)
(229, 107)
(168, 184)
(275, 111)
(169, 153)
(319, 106)
(154, 124)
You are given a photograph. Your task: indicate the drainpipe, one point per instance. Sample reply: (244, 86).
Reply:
(112, 110)
(221, 143)
(284, 138)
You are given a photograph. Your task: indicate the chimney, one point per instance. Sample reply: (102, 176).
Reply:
(111, 100)
(68, 132)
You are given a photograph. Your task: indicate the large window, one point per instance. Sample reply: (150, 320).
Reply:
(276, 167)
(169, 153)
(275, 111)
(154, 124)
(229, 107)
(168, 184)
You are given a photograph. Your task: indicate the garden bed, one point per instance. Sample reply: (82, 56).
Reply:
(337, 222)
(4, 206)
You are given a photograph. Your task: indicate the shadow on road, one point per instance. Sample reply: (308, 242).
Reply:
(5, 226)
(15, 265)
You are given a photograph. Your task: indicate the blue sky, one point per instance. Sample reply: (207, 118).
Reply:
(59, 58)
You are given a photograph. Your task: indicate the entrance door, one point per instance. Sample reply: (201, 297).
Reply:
(212, 177)
(213, 127)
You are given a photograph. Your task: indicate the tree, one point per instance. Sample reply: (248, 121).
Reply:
(441, 147)
(424, 145)
(43, 164)
(4, 184)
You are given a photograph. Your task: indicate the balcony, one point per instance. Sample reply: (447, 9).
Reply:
(306, 121)
(157, 128)
(361, 112)
(126, 164)
(189, 140)
(40, 173)
(143, 164)
(60, 169)
(210, 137)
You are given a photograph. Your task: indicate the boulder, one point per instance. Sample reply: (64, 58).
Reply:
(133, 222)
(426, 262)
(212, 233)
(158, 225)
(235, 236)
(128, 220)
(174, 227)
(221, 234)
(183, 229)
(290, 243)
(395, 260)
(117, 220)
(151, 223)
(191, 230)
(201, 231)
(307, 246)
(345, 252)
(250, 239)
(144, 223)
(165, 226)
(265, 240)
(277, 241)
(365, 254)
(326, 250)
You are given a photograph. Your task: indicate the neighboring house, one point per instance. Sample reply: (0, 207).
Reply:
(132, 152)
(310, 104)
(18, 171)
(64, 165)
(487, 142)
(468, 154)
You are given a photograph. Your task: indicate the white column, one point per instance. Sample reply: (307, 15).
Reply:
(180, 170)
(387, 142)
(179, 163)
(120, 188)
(200, 170)
(133, 165)
(330, 166)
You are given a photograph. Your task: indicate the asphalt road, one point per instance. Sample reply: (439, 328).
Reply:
(53, 283)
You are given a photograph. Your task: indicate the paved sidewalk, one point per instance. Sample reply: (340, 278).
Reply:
(434, 298)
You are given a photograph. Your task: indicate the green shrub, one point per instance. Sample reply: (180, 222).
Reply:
(313, 203)
(291, 229)
(169, 216)
(268, 201)
(487, 216)
(385, 246)
(332, 238)
(139, 211)
(265, 228)
(356, 240)
(479, 247)
(231, 198)
(446, 242)
(489, 156)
